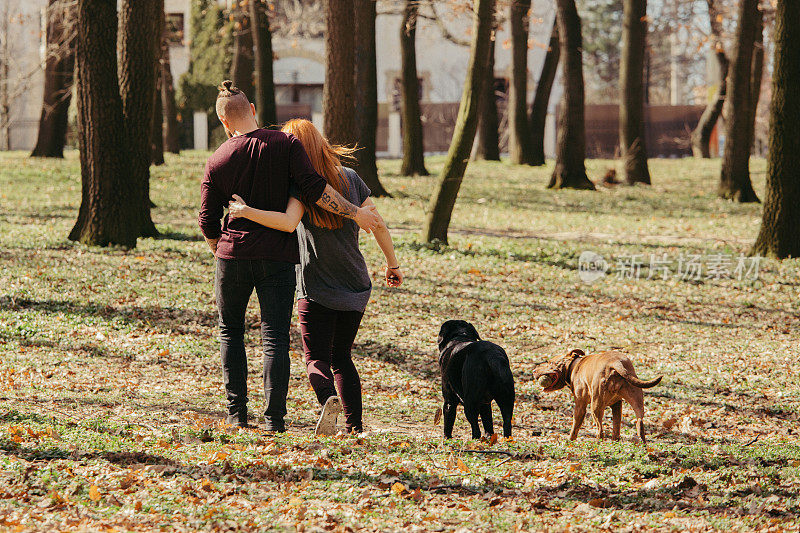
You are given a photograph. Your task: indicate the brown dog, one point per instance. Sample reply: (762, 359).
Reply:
(600, 380)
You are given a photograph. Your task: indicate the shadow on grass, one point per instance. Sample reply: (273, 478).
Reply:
(168, 318)
(659, 499)
(248, 473)
(170, 235)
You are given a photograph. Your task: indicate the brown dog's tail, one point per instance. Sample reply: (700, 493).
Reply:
(633, 380)
(629, 376)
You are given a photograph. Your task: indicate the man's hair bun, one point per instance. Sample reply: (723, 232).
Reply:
(227, 88)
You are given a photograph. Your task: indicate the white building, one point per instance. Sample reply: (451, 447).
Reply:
(300, 64)
(21, 56)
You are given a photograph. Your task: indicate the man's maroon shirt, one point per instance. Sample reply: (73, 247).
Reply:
(259, 166)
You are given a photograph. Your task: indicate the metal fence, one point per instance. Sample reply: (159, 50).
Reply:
(667, 130)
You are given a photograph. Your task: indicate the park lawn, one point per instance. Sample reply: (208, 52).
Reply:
(111, 397)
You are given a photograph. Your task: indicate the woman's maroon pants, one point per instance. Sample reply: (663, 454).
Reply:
(328, 337)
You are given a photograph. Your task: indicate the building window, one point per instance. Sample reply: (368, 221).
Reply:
(174, 28)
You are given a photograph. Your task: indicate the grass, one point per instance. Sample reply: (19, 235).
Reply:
(111, 394)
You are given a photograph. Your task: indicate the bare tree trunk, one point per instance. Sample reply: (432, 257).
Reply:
(520, 144)
(735, 176)
(157, 132)
(570, 171)
(242, 66)
(487, 146)
(338, 96)
(107, 215)
(701, 136)
(139, 45)
(440, 208)
(780, 224)
(5, 70)
(171, 126)
(366, 88)
(413, 148)
(631, 98)
(58, 74)
(541, 99)
(756, 75)
(262, 44)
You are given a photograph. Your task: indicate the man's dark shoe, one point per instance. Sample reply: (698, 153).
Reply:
(237, 419)
(275, 426)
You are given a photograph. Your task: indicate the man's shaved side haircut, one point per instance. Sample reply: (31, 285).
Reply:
(232, 102)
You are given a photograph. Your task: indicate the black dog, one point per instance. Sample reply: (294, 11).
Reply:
(474, 372)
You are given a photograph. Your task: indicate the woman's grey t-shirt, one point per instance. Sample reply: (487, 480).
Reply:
(332, 271)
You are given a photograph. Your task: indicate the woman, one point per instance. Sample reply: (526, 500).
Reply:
(333, 282)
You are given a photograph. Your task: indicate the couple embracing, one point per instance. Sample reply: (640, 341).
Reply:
(274, 182)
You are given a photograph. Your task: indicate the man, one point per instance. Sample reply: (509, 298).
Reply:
(259, 165)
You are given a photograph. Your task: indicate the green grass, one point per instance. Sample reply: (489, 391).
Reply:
(111, 395)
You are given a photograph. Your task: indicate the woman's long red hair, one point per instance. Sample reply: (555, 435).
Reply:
(327, 161)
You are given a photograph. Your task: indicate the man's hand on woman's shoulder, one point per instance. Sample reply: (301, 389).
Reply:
(367, 218)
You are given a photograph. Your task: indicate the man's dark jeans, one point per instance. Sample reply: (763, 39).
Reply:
(274, 283)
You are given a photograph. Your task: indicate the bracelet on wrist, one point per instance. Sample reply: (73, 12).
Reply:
(393, 268)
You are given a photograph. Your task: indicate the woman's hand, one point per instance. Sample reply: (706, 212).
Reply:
(237, 207)
(394, 277)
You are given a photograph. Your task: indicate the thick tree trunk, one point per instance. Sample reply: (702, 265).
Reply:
(780, 224)
(735, 176)
(541, 99)
(338, 95)
(262, 45)
(570, 171)
(243, 65)
(631, 95)
(58, 74)
(487, 146)
(441, 205)
(107, 215)
(170, 111)
(701, 136)
(520, 144)
(139, 44)
(413, 148)
(157, 131)
(366, 87)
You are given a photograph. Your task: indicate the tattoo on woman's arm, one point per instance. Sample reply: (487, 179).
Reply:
(335, 203)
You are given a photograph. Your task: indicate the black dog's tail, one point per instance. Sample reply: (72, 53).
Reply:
(503, 390)
(501, 371)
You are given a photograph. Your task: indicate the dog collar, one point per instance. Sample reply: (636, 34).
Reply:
(568, 373)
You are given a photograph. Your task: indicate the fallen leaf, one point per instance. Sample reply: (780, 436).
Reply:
(669, 423)
(94, 493)
(598, 502)
(437, 417)
(398, 488)
(462, 466)
(416, 495)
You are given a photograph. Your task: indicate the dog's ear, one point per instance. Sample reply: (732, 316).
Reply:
(444, 332)
(473, 331)
(578, 352)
